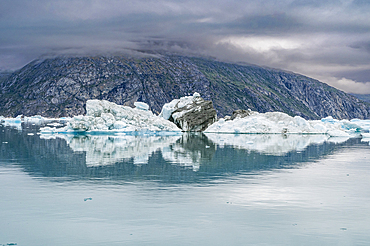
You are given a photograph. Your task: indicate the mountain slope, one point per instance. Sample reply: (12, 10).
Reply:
(363, 97)
(60, 87)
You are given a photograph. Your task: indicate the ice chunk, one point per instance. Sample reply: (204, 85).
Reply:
(103, 116)
(36, 119)
(170, 107)
(55, 124)
(12, 122)
(141, 105)
(277, 123)
(17, 120)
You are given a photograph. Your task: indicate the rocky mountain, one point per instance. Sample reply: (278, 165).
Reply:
(4, 75)
(61, 86)
(363, 97)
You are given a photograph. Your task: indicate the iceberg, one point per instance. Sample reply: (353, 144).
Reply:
(34, 120)
(104, 116)
(16, 120)
(281, 123)
(12, 122)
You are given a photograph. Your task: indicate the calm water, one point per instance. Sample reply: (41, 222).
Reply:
(183, 190)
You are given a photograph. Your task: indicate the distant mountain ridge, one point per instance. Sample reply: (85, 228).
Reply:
(61, 86)
(363, 97)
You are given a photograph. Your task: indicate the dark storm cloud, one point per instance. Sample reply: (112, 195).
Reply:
(322, 39)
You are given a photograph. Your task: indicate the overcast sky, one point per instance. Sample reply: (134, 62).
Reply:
(324, 39)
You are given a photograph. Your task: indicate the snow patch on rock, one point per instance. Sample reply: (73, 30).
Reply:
(175, 104)
(190, 113)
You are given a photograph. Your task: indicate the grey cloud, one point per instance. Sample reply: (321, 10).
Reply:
(362, 75)
(361, 3)
(365, 46)
(273, 24)
(331, 33)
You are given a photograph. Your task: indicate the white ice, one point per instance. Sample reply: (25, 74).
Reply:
(12, 122)
(141, 105)
(175, 104)
(277, 123)
(105, 116)
(34, 120)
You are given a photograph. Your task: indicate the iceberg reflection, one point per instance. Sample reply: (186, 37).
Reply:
(190, 150)
(109, 149)
(270, 144)
(186, 150)
(188, 157)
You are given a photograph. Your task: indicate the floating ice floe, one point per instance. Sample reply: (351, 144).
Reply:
(39, 120)
(12, 122)
(277, 123)
(34, 120)
(103, 116)
(16, 120)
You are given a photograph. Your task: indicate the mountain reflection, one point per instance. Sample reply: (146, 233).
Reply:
(185, 158)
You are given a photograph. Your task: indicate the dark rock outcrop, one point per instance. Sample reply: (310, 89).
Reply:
(195, 117)
(61, 86)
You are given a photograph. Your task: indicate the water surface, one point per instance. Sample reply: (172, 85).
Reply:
(183, 190)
